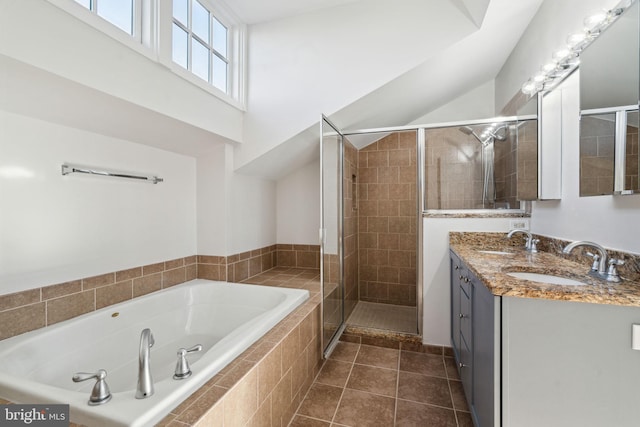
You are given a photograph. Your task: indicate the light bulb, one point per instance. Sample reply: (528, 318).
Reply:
(561, 55)
(539, 78)
(576, 39)
(594, 21)
(549, 67)
(529, 88)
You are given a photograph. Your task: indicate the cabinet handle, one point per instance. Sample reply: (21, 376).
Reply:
(460, 315)
(462, 365)
(460, 277)
(456, 267)
(466, 280)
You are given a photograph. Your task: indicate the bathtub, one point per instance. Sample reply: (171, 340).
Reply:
(225, 318)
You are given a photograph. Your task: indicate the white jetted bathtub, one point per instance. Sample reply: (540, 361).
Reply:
(225, 318)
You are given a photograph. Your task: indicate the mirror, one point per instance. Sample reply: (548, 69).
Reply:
(609, 94)
(527, 150)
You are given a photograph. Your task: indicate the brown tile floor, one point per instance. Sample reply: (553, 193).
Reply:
(362, 385)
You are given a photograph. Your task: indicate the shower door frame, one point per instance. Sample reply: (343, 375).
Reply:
(328, 347)
(421, 130)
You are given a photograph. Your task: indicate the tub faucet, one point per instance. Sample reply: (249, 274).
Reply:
(530, 244)
(145, 382)
(602, 253)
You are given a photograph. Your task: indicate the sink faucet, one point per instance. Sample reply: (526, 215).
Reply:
(611, 275)
(531, 243)
(145, 382)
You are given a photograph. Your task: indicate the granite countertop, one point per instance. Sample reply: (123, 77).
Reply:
(492, 271)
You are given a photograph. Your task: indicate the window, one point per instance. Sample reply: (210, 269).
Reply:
(118, 12)
(200, 42)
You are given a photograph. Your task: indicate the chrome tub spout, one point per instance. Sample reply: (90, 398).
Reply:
(145, 382)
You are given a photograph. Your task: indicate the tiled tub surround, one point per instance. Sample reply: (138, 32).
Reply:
(492, 269)
(266, 383)
(25, 311)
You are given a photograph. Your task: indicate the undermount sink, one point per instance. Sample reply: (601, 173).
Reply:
(496, 252)
(545, 278)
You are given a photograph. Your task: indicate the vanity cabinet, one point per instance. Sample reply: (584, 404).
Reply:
(531, 362)
(475, 329)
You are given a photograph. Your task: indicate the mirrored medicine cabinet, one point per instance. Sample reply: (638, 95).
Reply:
(540, 147)
(609, 97)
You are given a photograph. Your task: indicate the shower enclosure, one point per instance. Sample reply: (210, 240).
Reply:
(376, 184)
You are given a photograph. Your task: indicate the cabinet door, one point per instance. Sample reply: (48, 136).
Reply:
(455, 305)
(486, 358)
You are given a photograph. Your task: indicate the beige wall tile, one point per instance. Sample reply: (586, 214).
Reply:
(97, 281)
(113, 294)
(269, 373)
(147, 284)
(19, 299)
(129, 274)
(241, 401)
(173, 277)
(22, 319)
(70, 306)
(62, 289)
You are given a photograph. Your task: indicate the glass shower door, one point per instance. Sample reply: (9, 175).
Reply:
(331, 250)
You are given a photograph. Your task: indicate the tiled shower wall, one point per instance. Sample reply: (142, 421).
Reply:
(453, 170)
(387, 219)
(350, 193)
(596, 156)
(505, 170)
(25, 311)
(527, 180)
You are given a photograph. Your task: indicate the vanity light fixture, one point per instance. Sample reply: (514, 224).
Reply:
(566, 59)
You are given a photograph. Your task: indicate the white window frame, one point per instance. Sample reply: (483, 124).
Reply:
(236, 52)
(153, 20)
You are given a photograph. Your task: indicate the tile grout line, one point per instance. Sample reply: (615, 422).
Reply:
(395, 410)
(344, 388)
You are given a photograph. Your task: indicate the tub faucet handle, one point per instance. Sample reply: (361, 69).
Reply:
(100, 393)
(182, 366)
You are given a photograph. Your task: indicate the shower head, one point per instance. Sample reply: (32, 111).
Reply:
(468, 131)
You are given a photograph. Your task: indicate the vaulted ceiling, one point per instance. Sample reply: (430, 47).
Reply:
(363, 63)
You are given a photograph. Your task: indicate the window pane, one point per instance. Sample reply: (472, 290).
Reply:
(200, 60)
(181, 11)
(118, 12)
(85, 3)
(179, 46)
(219, 37)
(219, 74)
(200, 23)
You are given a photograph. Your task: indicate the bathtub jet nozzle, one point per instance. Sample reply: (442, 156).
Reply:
(145, 382)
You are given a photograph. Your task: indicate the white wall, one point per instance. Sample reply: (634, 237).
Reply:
(478, 103)
(325, 60)
(611, 221)
(547, 33)
(436, 285)
(212, 203)
(56, 228)
(298, 206)
(42, 35)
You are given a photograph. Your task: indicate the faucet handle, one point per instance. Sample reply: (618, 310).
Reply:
(533, 245)
(596, 261)
(612, 273)
(182, 366)
(100, 393)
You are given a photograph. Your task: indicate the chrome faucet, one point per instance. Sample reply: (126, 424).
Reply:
(145, 382)
(610, 274)
(530, 244)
